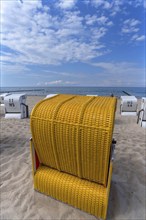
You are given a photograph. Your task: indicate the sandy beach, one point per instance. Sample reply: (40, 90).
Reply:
(18, 199)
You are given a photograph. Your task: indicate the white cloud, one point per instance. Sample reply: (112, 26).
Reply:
(104, 21)
(98, 33)
(103, 3)
(116, 6)
(131, 22)
(42, 38)
(107, 5)
(113, 67)
(141, 38)
(121, 73)
(138, 3)
(129, 30)
(137, 37)
(56, 83)
(134, 22)
(100, 21)
(66, 4)
(36, 36)
(13, 68)
(90, 20)
(59, 73)
(113, 7)
(144, 3)
(130, 26)
(109, 23)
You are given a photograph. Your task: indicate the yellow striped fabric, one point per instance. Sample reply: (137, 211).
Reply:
(83, 194)
(73, 134)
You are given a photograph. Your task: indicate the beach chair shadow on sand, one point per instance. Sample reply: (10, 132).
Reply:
(72, 150)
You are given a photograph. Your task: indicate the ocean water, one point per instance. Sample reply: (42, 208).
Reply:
(101, 91)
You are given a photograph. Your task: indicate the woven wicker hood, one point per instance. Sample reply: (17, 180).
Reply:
(73, 134)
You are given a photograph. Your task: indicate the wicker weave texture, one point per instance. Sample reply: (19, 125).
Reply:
(74, 133)
(85, 195)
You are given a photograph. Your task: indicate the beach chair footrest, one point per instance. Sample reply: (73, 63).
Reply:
(83, 194)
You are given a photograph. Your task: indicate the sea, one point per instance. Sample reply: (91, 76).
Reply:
(100, 91)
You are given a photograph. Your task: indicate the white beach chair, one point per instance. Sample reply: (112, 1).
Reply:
(50, 95)
(15, 106)
(2, 97)
(2, 105)
(128, 105)
(91, 95)
(141, 119)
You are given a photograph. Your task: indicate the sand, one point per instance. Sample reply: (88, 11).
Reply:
(18, 199)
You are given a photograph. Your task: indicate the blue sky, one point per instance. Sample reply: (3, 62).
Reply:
(73, 42)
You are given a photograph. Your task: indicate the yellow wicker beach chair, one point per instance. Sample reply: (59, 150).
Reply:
(71, 149)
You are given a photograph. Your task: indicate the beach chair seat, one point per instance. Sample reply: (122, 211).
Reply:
(128, 105)
(72, 150)
(15, 106)
(141, 116)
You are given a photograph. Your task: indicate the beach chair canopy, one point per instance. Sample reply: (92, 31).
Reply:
(73, 134)
(13, 102)
(2, 97)
(71, 150)
(130, 97)
(15, 106)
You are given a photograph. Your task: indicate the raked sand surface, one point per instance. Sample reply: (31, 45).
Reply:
(18, 200)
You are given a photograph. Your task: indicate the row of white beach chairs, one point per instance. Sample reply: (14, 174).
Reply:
(13, 105)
